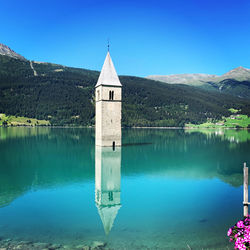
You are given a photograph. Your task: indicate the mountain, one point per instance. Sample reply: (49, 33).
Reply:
(189, 79)
(240, 74)
(6, 51)
(65, 96)
(235, 82)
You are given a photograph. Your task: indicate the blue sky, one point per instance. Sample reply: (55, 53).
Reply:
(147, 37)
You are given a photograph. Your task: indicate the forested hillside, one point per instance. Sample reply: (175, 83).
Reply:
(65, 96)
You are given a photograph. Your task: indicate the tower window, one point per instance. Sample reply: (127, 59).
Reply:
(98, 95)
(111, 95)
(110, 196)
(98, 197)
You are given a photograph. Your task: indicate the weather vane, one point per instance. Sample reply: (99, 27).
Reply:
(108, 44)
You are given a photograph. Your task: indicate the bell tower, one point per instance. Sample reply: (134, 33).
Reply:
(108, 95)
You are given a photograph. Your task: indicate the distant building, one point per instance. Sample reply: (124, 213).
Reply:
(108, 184)
(108, 94)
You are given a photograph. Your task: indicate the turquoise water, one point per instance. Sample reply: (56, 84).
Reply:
(164, 189)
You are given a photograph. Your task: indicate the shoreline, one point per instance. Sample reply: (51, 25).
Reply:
(188, 128)
(92, 127)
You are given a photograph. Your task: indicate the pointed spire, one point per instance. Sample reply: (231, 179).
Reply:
(108, 215)
(108, 74)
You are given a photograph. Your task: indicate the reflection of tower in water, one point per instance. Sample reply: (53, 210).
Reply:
(107, 184)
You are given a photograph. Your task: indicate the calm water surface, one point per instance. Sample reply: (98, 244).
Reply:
(164, 189)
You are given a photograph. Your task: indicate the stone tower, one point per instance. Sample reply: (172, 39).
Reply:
(108, 184)
(108, 94)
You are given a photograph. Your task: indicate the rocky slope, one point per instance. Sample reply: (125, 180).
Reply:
(6, 51)
(240, 74)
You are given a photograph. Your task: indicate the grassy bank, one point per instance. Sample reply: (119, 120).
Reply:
(21, 121)
(233, 121)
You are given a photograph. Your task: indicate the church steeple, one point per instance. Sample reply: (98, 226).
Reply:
(108, 94)
(108, 74)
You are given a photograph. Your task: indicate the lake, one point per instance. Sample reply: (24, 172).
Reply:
(163, 189)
